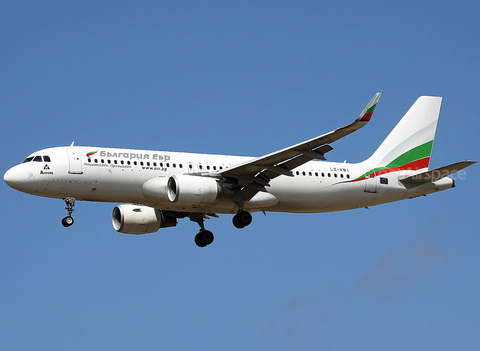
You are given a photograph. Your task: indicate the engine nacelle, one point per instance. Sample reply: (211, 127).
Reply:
(194, 190)
(155, 189)
(138, 219)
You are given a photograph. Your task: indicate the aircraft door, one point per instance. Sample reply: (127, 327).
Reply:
(371, 183)
(74, 160)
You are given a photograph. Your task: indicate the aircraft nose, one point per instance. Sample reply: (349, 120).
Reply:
(12, 177)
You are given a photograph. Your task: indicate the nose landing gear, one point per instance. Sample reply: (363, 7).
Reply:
(69, 202)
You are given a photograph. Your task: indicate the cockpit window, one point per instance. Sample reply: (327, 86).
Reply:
(37, 159)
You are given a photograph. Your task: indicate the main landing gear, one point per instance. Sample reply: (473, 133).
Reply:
(204, 237)
(69, 202)
(242, 219)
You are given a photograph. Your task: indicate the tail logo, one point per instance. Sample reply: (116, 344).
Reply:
(412, 160)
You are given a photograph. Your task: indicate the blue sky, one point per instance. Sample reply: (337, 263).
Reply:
(243, 78)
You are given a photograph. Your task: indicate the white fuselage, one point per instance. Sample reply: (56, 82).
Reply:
(119, 175)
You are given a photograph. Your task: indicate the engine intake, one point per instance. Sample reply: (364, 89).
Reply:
(137, 219)
(194, 190)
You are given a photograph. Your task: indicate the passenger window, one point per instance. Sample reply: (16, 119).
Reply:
(37, 159)
(46, 158)
(180, 165)
(348, 176)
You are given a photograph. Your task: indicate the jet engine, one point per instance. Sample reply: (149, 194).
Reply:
(137, 219)
(194, 190)
(155, 189)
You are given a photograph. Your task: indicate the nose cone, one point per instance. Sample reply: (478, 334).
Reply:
(12, 177)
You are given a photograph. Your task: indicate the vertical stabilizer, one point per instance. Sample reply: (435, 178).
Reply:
(409, 145)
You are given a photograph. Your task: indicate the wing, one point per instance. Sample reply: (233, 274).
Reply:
(255, 174)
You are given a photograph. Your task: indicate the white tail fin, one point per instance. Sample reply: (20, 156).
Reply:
(409, 145)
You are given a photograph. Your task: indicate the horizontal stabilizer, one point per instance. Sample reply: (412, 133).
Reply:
(439, 173)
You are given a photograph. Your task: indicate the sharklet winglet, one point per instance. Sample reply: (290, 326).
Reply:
(368, 110)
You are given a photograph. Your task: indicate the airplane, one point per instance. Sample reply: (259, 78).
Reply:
(156, 188)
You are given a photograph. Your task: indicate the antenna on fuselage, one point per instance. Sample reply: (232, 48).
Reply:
(73, 142)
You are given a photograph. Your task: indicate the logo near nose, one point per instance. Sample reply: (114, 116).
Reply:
(46, 168)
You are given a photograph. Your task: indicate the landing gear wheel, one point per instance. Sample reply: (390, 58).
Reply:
(67, 221)
(204, 238)
(242, 219)
(69, 202)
